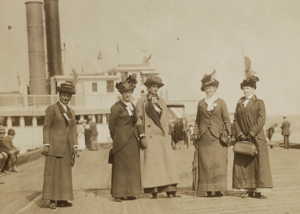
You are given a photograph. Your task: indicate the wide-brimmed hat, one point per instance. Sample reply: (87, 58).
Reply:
(11, 132)
(154, 80)
(209, 80)
(81, 121)
(2, 129)
(66, 87)
(250, 81)
(127, 85)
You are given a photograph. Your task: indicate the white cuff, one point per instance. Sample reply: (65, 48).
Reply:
(47, 144)
(142, 135)
(75, 146)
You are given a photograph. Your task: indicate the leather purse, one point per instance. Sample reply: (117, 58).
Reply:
(245, 148)
(225, 141)
(74, 155)
(110, 156)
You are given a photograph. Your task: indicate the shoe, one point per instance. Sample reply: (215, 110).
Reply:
(118, 199)
(154, 195)
(259, 196)
(131, 198)
(52, 204)
(248, 194)
(219, 194)
(64, 204)
(5, 171)
(208, 194)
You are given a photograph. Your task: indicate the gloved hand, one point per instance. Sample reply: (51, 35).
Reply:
(143, 143)
(249, 138)
(228, 141)
(242, 137)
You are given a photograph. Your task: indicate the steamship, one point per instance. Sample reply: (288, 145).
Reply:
(24, 110)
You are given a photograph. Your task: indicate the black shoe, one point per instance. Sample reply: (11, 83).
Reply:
(208, 194)
(219, 194)
(259, 195)
(52, 204)
(131, 198)
(64, 204)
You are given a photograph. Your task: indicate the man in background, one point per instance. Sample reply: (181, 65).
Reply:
(3, 151)
(13, 151)
(286, 132)
(93, 134)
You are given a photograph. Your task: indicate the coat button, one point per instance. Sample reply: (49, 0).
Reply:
(150, 137)
(149, 126)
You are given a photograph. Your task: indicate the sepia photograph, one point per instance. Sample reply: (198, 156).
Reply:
(149, 106)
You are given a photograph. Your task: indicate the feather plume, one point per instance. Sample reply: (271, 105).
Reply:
(208, 78)
(75, 77)
(252, 79)
(131, 79)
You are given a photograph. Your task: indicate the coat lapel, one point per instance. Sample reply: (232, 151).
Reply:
(204, 106)
(133, 117)
(250, 103)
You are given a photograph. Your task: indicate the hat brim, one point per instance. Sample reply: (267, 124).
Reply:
(149, 84)
(65, 90)
(126, 89)
(214, 83)
(249, 84)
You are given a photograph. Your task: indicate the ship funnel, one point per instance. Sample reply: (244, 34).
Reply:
(36, 48)
(53, 37)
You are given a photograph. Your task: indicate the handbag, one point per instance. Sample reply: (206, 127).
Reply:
(110, 156)
(245, 148)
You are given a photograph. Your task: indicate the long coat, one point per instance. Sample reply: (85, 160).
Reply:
(158, 167)
(126, 174)
(61, 136)
(212, 164)
(248, 171)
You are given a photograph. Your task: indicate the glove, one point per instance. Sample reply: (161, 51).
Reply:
(249, 138)
(242, 137)
(143, 143)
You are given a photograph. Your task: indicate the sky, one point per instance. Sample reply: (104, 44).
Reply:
(187, 39)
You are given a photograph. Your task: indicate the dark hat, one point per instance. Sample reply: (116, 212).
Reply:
(250, 81)
(154, 80)
(209, 80)
(66, 87)
(127, 85)
(2, 129)
(11, 132)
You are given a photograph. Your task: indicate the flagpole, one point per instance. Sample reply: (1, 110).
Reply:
(243, 60)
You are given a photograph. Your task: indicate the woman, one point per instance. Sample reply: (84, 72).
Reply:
(80, 135)
(251, 174)
(212, 113)
(59, 138)
(126, 174)
(158, 166)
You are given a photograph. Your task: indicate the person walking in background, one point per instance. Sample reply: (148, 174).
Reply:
(60, 141)
(80, 135)
(126, 173)
(158, 165)
(93, 134)
(13, 151)
(87, 134)
(3, 151)
(212, 117)
(251, 174)
(269, 133)
(286, 132)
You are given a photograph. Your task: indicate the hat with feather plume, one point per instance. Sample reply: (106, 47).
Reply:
(209, 80)
(127, 85)
(250, 81)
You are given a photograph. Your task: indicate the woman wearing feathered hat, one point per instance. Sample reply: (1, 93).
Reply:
(59, 134)
(158, 165)
(126, 174)
(212, 117)
(251, 174)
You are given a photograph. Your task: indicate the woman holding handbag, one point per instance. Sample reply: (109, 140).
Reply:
(125, 155)
(251, 173)
(212, 139)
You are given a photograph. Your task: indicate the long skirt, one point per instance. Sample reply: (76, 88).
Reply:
(212, 164)
(58, 177)
(126, 172)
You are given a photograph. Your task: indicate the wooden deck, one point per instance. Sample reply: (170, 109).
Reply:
(21, 192)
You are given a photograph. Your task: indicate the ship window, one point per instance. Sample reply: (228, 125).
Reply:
(15, 121)
(107, 118)
(98, 118)
(3, 121)
(40, 120)
(94, 87)
(28, 120)
(110, 86)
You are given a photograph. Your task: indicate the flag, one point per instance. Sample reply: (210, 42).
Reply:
(99, 56)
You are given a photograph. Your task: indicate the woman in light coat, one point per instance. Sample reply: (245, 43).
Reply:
(158, 165)
(212, 116)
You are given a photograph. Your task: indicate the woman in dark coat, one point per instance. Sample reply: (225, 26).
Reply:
(126, 173)
(251, 174)
(59, 138)
(212, 113)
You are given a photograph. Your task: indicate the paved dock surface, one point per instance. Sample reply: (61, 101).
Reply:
(21, 192)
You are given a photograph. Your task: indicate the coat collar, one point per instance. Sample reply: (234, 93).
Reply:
(204, 105)
(250, 103)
